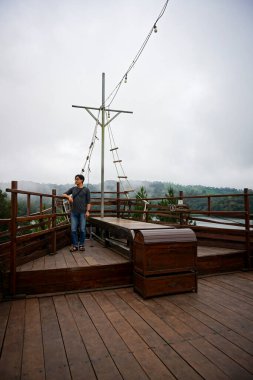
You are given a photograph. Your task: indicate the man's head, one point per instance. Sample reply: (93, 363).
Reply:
(79, 177)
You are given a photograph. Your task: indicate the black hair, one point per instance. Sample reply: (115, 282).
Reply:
(80, 176)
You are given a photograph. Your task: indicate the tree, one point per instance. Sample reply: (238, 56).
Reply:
(140, 204)
(167, 203)
(5, 206)
(5, 213)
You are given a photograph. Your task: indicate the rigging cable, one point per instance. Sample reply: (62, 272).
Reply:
(124, 78)
(113, 95)
(86, 166)
(116, 159)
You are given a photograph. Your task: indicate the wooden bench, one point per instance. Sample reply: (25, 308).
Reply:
(119, 233)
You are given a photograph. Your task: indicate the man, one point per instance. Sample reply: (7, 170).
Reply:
(79, 198)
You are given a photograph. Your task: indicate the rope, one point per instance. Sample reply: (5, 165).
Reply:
(86, 167)
(113, 95)
(137, 56)
(117, 158)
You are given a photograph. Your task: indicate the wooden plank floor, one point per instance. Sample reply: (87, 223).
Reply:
(115, 334)
(214, 251)
(94, 254)
(96, 267)
(212, 260)
(100, 267)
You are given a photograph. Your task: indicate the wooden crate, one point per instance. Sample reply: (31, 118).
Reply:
(165, 284)
(164, 251)
(165, 261)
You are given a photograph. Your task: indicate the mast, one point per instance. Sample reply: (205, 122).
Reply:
(103, 148)
(102, 124)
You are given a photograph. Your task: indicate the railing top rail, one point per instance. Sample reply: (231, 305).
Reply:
(180, 197)
(216, 195)
(195, 196)
(25, 192)
(110, 192)
(33, 193)
(17, 191)
(5, 221)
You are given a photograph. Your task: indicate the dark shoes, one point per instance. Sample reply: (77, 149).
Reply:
(73, 249)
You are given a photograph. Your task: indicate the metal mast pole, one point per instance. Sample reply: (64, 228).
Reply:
(102, 124)
(103, 148)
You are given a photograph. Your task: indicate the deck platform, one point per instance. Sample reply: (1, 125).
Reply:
(115, 334)
(99, 267)
(212, 260)
(96, 267)
(94, 254)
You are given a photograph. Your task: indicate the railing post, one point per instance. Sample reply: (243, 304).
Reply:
(247, 225)
(146, 215)
(13, 233)
(181, 197)
(41, 204)
(28, 209)
(53, 223)
(209, 204)
(118, 200)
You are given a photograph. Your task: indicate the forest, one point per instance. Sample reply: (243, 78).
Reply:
(155, 189)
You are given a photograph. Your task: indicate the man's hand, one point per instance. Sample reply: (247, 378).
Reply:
(87, 213)
(70, 199)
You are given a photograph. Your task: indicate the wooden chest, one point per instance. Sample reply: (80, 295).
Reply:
(165, 261)
(166, 284)
(164, 251)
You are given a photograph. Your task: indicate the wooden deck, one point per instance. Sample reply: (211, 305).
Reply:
(95, 254)
(114, 334)
(99, 267)
(96, 267)
(212, 260)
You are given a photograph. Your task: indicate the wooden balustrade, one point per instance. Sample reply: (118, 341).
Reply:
(44, 229)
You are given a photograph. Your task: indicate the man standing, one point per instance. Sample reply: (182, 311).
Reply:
(79, 198)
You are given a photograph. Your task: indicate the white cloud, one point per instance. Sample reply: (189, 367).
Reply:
(190, 91)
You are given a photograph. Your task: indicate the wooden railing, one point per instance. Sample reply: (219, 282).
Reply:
(34, 234)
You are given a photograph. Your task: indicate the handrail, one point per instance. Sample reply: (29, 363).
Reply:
(116, 206)
(17, 191)
(5, 221)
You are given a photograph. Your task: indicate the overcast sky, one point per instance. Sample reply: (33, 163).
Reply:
(190, 91)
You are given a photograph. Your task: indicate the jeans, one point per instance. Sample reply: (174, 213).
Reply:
(78, 219)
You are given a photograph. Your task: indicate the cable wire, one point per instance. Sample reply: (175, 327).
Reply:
(86, 166)
(153, 29)
(112, 95)
(117, 159)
